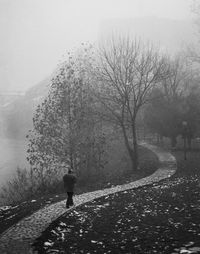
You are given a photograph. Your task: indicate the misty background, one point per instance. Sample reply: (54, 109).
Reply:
(37, 34)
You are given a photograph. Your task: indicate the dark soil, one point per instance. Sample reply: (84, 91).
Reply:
(10, 215)
(161, 218)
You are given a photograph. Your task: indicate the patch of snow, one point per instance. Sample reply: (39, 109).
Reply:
(4, 208)
(48, 244)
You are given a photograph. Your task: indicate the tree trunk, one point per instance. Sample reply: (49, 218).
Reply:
(131, 152)
(173, 142)
(189, 142)
(135, 148)
(71, 160)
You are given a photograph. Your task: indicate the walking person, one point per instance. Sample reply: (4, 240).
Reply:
(69, 182)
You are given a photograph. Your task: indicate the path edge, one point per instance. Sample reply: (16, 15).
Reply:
(168, 167)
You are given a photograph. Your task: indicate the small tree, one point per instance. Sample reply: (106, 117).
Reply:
(65, 130)
(126, 73)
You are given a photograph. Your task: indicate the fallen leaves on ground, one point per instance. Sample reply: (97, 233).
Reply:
(161, 218)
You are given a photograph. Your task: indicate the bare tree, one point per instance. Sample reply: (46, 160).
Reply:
(168, 105)
(127, 72)
(176, 84)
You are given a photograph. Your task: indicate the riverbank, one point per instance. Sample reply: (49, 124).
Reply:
(12, 155)
(19, 237)
(10, 215)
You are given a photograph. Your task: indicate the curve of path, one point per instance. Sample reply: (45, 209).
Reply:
(20, 236)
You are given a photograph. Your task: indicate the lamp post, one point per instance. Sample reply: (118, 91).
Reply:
(185, 131)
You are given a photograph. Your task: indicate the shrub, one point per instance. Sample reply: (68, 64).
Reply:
(25, 185)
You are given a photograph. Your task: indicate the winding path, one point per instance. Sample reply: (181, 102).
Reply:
(18, 238)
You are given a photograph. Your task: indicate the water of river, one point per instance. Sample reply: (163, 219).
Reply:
(12, 155)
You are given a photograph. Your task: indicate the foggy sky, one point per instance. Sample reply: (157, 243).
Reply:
(35, 34)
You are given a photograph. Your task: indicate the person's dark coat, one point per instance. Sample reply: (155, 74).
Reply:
(69, 182)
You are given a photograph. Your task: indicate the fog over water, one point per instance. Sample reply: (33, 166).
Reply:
(12, 154)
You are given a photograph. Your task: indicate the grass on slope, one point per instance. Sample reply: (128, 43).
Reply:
(161, 218)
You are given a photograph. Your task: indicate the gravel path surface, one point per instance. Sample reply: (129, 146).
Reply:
(19, 237)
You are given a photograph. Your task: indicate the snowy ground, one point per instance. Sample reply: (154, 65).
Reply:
(162, 218)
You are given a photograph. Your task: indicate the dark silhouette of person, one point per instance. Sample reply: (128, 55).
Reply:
(69, 182)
